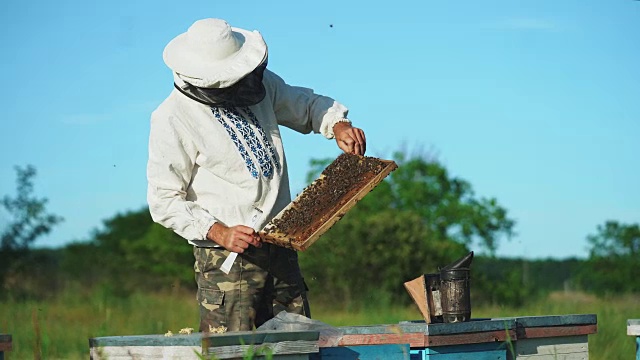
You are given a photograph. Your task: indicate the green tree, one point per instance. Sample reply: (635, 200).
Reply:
(515, 281)
(163, 256)
(418, 219)
(613, 259)
(615, 240)
(134, 253)
(29, 218)
(28, 221)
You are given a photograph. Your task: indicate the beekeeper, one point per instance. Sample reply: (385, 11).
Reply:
(217, 170)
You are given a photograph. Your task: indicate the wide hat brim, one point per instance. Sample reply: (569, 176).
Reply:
(204, 71)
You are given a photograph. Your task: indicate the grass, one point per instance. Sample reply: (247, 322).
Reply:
(60, 328)
(66, 323)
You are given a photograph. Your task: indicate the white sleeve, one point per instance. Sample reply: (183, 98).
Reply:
(302, 110)
(169, 170)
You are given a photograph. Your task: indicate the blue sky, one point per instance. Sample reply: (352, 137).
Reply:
(536, 103)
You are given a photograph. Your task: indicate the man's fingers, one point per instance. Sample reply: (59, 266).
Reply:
(353, 146)
(245, 229)
(347, 145)
(242, 244)
(361, 140)
(255, 241)
(243, 237)
(350, 139)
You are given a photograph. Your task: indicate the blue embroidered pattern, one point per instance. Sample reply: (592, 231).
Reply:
(263, 151)
(243, 152)
(268, 145)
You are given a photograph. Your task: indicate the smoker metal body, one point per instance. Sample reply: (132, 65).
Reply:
(448, 292)
(455, 291)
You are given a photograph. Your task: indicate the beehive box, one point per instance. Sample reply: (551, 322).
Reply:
(633, 329)
(289, 345)
(321, 204)
(5, 344)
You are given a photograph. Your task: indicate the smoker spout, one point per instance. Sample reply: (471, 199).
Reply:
(463, 262)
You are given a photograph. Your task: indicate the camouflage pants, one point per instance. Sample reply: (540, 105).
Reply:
(262, 282)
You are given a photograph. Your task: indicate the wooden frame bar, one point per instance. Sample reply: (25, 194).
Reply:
(327, 220)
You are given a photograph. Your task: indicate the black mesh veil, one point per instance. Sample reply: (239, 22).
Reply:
(246, 92)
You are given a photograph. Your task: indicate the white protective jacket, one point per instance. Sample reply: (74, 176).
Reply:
(210, 164)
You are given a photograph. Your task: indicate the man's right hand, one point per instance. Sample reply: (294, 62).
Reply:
(235, 238)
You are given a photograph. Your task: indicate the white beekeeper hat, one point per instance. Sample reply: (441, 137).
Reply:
(212, 54)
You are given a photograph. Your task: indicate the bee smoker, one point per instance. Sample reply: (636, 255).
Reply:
(449, 292)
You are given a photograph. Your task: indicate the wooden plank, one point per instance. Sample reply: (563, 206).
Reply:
(230, 338)
(555, 320)
(555, 331)
(422, 340)
(258, 337)
(470, 338)
(419, 334)
(574, 356)
(412, 339)
(552, 346)
(327, 220)
(275, 349)
(145, 352)
(403, 327)
(194, 339)
(370, 352)
(473, 326)
(633, 327)
(187, 346)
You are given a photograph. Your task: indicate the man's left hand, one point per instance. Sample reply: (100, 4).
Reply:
(350, 139)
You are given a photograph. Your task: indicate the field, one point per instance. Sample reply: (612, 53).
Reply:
(60, 328)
